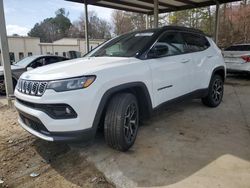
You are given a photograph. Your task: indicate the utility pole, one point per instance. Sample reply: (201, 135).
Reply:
(8, 84)
(156, 13)
(86, 26)
(217, 22)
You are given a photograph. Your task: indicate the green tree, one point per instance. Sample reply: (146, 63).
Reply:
(200, 18)
(51, 29)
(98, 27)
(127, 21)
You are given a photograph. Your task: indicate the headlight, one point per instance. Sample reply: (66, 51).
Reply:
(71, 84)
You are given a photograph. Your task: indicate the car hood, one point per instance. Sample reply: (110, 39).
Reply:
(13, 67)
(74, 68)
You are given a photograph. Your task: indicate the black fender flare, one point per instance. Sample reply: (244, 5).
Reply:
(123, 87)
(217, 69)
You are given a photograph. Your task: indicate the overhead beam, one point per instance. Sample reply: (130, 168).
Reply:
(130, 4)
(160, 4)
(5, 56)
(92, 1)
(188, 2)
(170, 7)
(121, 8)
(198, 5)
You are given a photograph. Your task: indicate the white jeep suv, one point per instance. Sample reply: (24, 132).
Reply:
(118, 83)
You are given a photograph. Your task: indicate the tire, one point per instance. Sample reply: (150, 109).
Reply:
(121, 121)
(215, 92)
(2, 85)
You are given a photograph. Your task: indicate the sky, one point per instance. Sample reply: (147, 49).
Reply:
(21, 15)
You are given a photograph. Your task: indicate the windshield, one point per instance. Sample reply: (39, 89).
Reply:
(127, 45)
(25, 61)
(238, 48)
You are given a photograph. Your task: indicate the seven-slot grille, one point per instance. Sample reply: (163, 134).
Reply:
(36, 88)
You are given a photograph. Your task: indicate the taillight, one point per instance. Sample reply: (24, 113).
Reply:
(246, 58)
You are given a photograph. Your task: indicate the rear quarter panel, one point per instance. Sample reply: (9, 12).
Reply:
(210, 60)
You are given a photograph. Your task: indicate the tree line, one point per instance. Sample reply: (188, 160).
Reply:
(234, 23)
(60, 26)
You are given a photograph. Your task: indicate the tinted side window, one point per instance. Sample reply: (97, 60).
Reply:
(37, 63)
(50, 60)
(238, 48)
(195, 42)
(62, 59)
(174, 42)
(12, 57)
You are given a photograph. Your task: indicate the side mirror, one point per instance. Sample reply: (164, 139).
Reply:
(29, 68)
(159, 50)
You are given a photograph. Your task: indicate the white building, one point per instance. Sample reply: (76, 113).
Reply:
(20, 47)
(62, 46)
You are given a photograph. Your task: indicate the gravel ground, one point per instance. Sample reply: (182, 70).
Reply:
(55, 164)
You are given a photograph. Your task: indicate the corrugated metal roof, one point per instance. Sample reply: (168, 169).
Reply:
(147, 6)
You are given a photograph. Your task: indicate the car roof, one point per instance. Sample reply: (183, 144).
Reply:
(179, 28)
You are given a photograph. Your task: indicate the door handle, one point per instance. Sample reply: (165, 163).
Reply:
(209, 56)
(185, 60)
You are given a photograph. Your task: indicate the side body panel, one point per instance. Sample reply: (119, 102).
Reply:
(203, 64)
(170, 77)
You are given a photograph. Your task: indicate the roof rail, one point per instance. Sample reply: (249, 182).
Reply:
(182, 28)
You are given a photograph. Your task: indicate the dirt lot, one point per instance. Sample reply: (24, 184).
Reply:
(188, 145)
(57, 165)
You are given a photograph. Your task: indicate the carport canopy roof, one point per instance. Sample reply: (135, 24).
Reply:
(147, 6)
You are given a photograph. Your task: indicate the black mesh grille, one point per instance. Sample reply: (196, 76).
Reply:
(28, 88)
(33, 122)
(36, 88)
(41, 88)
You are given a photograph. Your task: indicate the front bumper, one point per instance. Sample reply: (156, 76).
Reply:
(78, 128)
(34, 126)
(238, 67)
(238, 71)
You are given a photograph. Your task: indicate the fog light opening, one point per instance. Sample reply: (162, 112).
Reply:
(68, 111)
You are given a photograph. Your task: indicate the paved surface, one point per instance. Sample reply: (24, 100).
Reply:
(188, 145)
(185, 146)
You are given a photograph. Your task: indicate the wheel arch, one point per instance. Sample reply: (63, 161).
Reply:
(139, 89)
(219, 71)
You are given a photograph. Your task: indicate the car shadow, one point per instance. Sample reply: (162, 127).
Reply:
(176, 143)
(172, 145)
(70, 164)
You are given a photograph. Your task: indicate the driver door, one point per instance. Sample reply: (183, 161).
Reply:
(171, 71)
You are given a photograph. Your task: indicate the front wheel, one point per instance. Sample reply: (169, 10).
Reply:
(215, 92)
(121, 121)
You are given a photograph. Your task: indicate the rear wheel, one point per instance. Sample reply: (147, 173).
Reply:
(121, 121)
(2, 85)
(215, 92)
